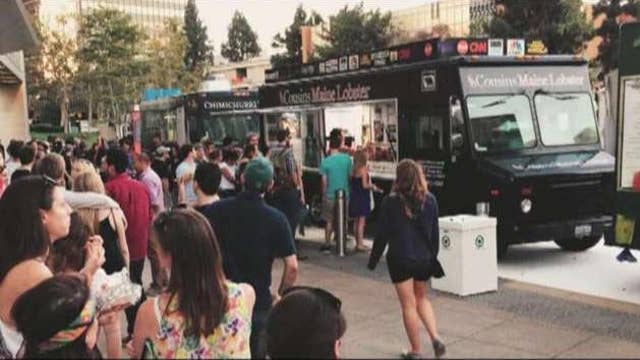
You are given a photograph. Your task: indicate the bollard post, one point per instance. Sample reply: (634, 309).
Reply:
(340, 226)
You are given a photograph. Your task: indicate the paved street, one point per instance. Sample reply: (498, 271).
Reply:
(595, 272)
(519, 321)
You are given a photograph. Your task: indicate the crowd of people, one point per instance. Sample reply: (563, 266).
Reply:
(211, 221)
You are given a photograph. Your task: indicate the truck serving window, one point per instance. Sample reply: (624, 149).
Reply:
(501, 123)
(237, 126)
(566, 119)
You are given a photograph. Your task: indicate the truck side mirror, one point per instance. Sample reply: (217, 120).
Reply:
(457, 124)
(457, 141)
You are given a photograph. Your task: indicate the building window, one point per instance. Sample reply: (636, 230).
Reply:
(241, 73)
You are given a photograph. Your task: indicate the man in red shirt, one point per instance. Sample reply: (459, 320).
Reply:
(136, 205)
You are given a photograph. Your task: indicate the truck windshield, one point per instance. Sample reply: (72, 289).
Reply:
(566, 119)
(501, 122)
(237, 126)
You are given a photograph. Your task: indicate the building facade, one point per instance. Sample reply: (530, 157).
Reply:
(149, 14)
(17, 35)
(243, 75)
(455, 17)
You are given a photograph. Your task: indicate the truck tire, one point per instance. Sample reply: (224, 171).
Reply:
(503, 248)
(504, 236)
(574, 244)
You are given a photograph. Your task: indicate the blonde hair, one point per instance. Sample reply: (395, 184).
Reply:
(78, 166)
(359, 160)
(89, 181)
(411, 186)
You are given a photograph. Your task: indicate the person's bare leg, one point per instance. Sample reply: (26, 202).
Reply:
(425, 310)
(410, 315)
(359, 231)
(328, 231)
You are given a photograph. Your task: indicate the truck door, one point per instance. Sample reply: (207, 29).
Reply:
(423, 138)
(459, 191)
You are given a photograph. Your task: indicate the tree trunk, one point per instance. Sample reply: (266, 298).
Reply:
(64, 110)
(90, 105)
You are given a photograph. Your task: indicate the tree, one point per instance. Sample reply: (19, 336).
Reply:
(111, 62)
(58, 51)
(198, 52)
(242, 41)
(560, 24)
(169, 45)
(616, 12)
(291, 41)
(354, 30)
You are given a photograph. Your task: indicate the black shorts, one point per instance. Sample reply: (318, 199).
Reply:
(400, 271)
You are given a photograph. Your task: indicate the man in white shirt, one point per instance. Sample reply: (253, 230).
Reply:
(185, 172)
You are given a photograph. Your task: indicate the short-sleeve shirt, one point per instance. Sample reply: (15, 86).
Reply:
(133, 198)
(336, 168)
(185, 169)
(153, 184)
(251, 235)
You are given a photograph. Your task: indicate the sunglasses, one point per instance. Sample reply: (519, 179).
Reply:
(326, 296)
(49, 180)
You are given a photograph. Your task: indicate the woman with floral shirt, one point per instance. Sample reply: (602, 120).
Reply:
(201, 314)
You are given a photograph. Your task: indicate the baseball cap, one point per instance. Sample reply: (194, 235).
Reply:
(258, 174)
(162, 150)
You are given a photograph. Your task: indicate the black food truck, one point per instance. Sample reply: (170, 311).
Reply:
(514, 135)
(204, 115)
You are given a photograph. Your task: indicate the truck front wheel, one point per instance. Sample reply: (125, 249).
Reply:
(575, 244)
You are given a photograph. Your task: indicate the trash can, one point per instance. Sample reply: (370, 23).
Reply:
(468, 255)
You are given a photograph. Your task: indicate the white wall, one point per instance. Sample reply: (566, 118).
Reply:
(13, 113)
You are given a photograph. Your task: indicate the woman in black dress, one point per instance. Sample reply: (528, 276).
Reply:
(110, 224)
(408, 223)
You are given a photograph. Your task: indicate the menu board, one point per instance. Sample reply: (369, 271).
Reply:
(629, 137)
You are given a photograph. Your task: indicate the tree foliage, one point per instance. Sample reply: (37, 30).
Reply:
(58, 63)
(165, 55)
(560, 24)
(616, 12)
(111, 61)
(291, 41)
(242, 41)
(198, 52)
(354, 30)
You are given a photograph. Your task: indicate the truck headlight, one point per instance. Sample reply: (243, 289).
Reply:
(526, 205)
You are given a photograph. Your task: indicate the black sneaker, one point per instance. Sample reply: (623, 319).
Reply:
(326, 248)
(439, 349)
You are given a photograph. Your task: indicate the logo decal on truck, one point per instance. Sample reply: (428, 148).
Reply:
(446, 242)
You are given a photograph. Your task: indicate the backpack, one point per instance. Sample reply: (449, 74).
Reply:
(281, 175)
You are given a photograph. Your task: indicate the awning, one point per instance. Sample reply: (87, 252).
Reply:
(16, 31)
(8, 77)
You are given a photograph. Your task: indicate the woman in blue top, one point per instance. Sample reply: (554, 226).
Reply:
(408, 222)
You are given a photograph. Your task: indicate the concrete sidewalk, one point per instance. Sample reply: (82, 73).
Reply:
(519, 321)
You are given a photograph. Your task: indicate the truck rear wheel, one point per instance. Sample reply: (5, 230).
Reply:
(503, 248)
(575, 244)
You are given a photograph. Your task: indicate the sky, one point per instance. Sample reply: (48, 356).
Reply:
(268, 17)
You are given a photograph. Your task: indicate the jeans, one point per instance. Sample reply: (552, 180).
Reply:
(135, 274)
(258, 321)
(287, 200)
